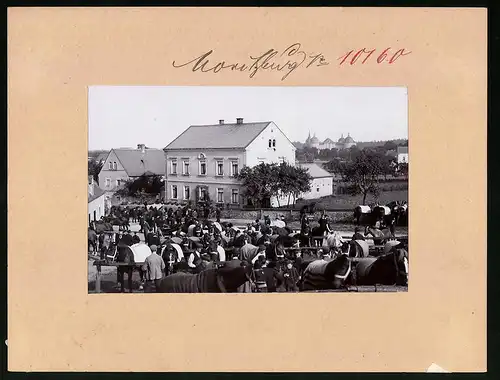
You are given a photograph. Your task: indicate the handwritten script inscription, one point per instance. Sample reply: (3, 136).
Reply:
(286, 61)
(289, 60)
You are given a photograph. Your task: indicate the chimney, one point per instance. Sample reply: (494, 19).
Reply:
(239, 120)
(221, 122)
(142, 147)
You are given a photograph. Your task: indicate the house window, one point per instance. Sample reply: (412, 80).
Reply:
(234, 168)
(173, 169)
(220, 168)
(108, 182)
(270, 143)
(274, 143)
(117, 182)
(174, 191)
(114, 166)
(203, 168)
(220, 195)
(317, 189)
(202, 193)
(185, 168)
(110, 165)
(234, 196)
(186, 192)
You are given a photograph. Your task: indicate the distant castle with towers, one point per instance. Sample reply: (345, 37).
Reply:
(342, 143)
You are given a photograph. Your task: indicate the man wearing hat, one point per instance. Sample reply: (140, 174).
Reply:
(194, 258)
(357, 234)
(154, 267)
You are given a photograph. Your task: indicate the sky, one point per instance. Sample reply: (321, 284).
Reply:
(124, 116)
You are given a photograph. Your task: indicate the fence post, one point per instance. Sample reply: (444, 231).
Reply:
(98, 279)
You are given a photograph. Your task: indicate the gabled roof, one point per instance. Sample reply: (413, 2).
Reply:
(218, 136)
(316, 171)
(402, 149)
(328, 141)
(136, 163)
(97, 193)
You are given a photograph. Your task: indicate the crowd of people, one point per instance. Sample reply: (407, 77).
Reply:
(184, 239)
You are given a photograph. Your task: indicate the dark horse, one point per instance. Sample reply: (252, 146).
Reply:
(218, 280)
(323, 275)
(274, 250)
(388, 269)
(125, 255)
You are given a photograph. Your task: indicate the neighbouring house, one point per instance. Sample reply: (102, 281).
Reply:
(204, 159)
(322, 182)
(402, 154)
(125, 164)
(96, 200)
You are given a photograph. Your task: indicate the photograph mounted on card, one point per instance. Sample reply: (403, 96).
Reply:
(169, 168)
(248, 205)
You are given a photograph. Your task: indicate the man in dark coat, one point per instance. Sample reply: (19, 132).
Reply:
(357, 234)
(272, 277)
(217, 213)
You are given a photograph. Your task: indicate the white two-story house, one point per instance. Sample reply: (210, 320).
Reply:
(205, 158)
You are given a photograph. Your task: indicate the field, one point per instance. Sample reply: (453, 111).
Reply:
(344, 201)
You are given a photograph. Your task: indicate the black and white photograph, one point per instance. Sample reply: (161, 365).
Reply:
(285, 189)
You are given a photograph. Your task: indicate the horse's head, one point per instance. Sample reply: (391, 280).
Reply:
(233, 278)
(338, 270)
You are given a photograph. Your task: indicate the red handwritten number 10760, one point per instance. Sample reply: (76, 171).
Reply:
(364, 55)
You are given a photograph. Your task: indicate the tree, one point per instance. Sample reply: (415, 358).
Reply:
(291, 181)
(390, 145)
(271, 180)
(142, 185)
(363, 174)
(94, 169)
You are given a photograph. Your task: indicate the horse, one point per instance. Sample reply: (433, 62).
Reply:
(274, 250)
(172, 255)
(334, 241)
(358, 248)
(379, 236)
(387, 269)
(125, 255)
(218, 280)
(325, 275)
(361, 213)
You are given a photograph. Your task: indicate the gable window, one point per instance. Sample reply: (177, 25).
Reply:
(234, 196)
(220, 168)
(108, 182)
(114, 165)
(274, 143)
(203, 168)
(185, 168)
(110, 165)
(270, 143)
(173, 168)
(234, 168)
(220, 195)
(186, 192)
(174, 191)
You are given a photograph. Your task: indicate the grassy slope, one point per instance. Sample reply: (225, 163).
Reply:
(347, 201)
